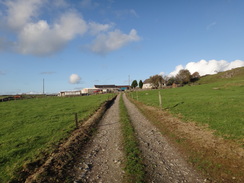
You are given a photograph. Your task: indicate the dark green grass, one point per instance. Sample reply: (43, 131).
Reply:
(219, 104)
(133, 166)
(29, 127)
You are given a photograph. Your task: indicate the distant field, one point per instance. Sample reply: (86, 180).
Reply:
(218, 102)
(31, 126)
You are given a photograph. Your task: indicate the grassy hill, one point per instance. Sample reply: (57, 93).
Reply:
(236, 75)
(215, 100)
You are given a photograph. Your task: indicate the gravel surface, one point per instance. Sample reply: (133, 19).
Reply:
(163, 163)
(101, 159)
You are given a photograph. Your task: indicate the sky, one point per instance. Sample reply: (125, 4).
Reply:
(75, 44)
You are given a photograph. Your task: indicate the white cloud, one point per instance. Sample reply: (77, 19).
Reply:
(60, 3)
(88, 4)
(96, 28)
(42, 39)
(113, 40)
(20, 12)
(74, 79)
(29, 34)
(204, 67)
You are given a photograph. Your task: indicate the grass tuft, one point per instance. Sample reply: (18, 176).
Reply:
(134, 168)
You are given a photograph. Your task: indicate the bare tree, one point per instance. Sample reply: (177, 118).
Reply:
(171, 80)
(184, 76)
(195, 76)
(156, 81)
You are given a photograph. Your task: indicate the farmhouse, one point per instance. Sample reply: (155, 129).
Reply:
(147, 84)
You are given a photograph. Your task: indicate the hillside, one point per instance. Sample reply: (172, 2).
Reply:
(205, 120)
(236, 74)
(215, 100)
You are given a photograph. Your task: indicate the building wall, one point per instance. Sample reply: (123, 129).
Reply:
(69, 93)
(147, 86)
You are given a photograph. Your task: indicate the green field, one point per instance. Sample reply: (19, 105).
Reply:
(218, 101)
(29, 127)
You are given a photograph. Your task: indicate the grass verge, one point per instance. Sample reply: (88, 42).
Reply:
(220, 160)
(133, 167)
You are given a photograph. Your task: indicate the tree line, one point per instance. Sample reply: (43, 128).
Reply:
(157, 81)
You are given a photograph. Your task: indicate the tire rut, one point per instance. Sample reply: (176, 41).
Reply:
(162, 161)
(102, 157)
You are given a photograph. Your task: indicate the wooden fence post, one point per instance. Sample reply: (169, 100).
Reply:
(160, 99)
(76, 120)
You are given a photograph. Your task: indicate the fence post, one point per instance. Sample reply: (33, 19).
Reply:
(76, 120)
(160, 99)
(137, 95)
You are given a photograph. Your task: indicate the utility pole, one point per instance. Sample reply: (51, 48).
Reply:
(43, 86)
(129, 80)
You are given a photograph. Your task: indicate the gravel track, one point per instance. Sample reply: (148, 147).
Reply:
(101, 159)
(162, 161)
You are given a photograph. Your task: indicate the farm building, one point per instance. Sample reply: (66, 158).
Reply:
(98, 89)
(123, 87)
(111, 88)
(147, 84)
(69, 93)
(88, 91)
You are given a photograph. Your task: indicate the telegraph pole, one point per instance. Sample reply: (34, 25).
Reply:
(129, 80)
(43, 86)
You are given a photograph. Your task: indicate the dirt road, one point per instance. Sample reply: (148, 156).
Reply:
(163, 162)
(102, 158)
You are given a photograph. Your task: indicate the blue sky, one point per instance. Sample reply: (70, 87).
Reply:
(75, 44)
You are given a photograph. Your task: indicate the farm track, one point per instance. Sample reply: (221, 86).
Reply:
(163, 163)
(102, 157)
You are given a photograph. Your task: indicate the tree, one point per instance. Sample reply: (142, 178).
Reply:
(134, 84)
(184, 76)
(140, 84)
(195, 76)
(156, 81)
(171, 80)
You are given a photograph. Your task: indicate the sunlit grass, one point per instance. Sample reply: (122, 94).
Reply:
(29, 127)
(133, 166)
(220, 104)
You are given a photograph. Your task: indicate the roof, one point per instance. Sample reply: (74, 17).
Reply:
(105, 86)
(111, 86)
(146, 81)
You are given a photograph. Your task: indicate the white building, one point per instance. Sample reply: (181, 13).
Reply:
(69, 93)
(147, 86)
